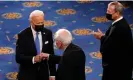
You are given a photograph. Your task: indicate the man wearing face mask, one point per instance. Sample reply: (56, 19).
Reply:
(116, 45)
(72, 62)
(31, 44)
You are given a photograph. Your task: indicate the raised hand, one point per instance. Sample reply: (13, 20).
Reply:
(98, 34)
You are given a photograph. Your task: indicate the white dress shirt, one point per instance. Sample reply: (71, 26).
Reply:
(39, 36)
(40, 40)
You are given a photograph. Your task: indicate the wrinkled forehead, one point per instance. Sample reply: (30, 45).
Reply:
(38, 19)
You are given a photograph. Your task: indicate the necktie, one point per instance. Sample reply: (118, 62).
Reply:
(37, 43)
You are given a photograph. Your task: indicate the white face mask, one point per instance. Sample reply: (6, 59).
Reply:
(55, 46)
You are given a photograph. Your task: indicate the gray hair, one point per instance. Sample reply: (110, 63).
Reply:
(35, 13)
(64, 36)
(118, 6)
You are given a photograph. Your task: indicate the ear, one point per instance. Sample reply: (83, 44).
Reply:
(31, 22)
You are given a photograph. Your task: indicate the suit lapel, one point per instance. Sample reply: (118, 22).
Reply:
(43, 39)
(31, 39)
(110, 32)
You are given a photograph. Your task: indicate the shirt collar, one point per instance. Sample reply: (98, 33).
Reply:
(117, 20)
(33, 31)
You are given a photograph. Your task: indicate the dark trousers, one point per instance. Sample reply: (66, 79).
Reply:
(117, 73)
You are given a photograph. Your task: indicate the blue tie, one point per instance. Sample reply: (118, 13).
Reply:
(37, 43)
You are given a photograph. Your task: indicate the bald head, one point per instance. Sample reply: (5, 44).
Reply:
(64, 36)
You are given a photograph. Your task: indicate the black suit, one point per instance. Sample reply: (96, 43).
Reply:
(116, 48)
(71, 64)
(26, 49)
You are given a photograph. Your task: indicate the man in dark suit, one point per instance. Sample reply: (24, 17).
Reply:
(116, 45)
(32, 42)
(72, 62)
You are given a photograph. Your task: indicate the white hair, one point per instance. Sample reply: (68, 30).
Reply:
(118, 6)
(36, 13)
(64, 36)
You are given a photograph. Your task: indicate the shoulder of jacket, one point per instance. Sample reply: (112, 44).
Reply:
(24, 31)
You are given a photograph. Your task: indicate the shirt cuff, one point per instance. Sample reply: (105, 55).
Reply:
(33, 60)
(48, 56)
(52, 76)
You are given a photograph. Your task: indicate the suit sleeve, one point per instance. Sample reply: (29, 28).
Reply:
(54, 59)
(52, 66)
(102, 39)
(21, 58)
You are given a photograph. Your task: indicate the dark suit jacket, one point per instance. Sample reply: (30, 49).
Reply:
(26, 49)
(71, 64)
(116, 48)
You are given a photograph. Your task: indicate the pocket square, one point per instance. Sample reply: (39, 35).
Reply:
(46, 42)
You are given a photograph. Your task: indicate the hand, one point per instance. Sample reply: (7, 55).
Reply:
(44, 55)
(98, 34)
(37, 58)
(52, 78)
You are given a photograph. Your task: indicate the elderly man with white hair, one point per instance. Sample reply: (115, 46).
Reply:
(31, 44)
(72, 62)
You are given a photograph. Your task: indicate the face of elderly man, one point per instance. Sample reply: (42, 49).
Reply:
(58, 44)
(62, 39)
(37, 22)
(111, 13)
